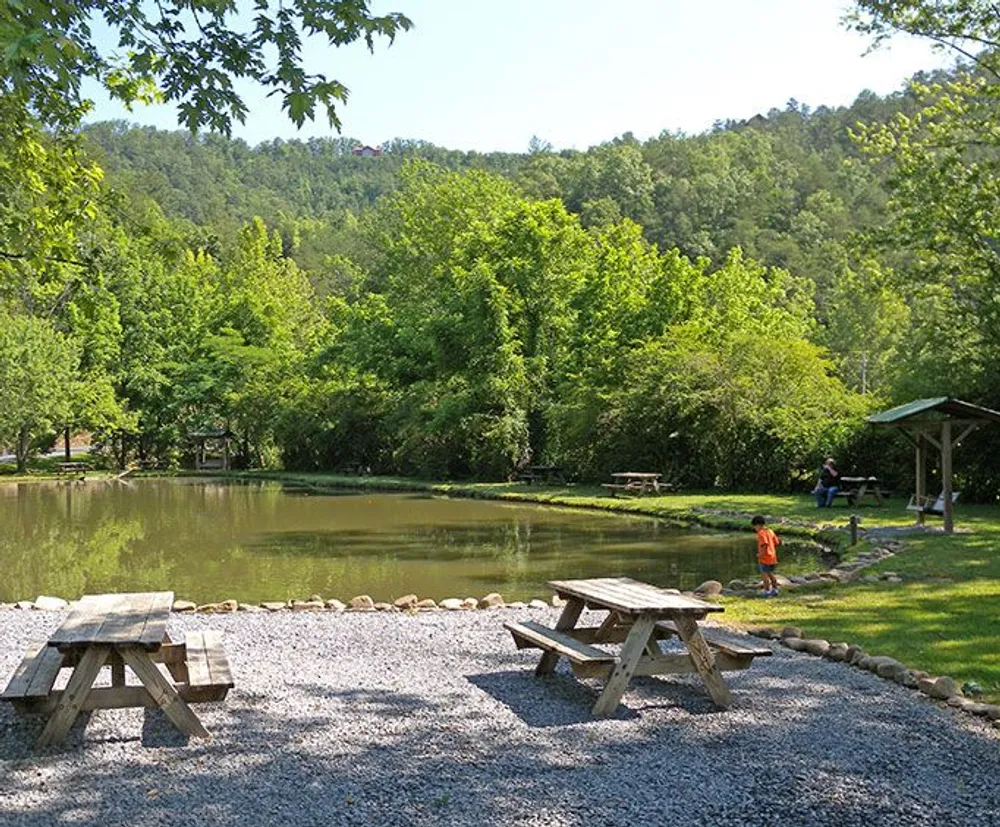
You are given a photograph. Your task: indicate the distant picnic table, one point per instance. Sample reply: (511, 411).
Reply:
(73, 467)
(855, 489)
(635, 482)
(551, 474)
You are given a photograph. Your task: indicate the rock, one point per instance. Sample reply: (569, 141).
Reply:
(941, 688)
(710, 588)
(968, 688)
(250, 607)
(46, 603)
(425, 605)
(854, 658)
(993, 712)
(407, 601)
(958, 702)
(315, 598)
(796, 644)
(361, 603)
(537, 604)
(272, 606)
(869, 578)
(977, 708)
(517, 604)
(335, 605)
(887, 575)
(893, 579)
(890, 669)
(6, 606)
(470, 603)
(25, 605)
(308, 605)
(791, 631)
(451, 604)
(184, 606)
(386, 607)
(736, 585)
(837, 652)
(816, 647)
(557, 601)
(491, 601)
(224, 607)
(765, 632)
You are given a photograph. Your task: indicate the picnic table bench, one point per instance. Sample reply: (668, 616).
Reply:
(549, 474)
(633, 482)
(119, 630)
(639, 616)
(855, 489)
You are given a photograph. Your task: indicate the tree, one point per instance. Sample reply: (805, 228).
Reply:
(37, 378)
(187, 52)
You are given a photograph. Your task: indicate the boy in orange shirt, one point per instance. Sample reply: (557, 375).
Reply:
(767, 555)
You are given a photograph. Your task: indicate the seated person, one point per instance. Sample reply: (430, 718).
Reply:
(828, 484)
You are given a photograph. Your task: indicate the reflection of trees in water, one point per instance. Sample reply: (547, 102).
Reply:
(256, 542)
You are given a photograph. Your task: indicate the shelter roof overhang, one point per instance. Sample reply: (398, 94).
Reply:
(936, 410)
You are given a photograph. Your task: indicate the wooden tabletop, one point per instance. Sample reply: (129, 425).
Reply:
(138, 620)
(637, 475)
(623, 594)
(858, 479)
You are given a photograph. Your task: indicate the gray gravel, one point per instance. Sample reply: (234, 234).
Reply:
(436, 719)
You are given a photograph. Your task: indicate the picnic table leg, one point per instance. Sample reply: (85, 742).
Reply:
(73, 697)
(166, 697)
(117, 669)
(704, 661)
(632, 649)
(567, 620)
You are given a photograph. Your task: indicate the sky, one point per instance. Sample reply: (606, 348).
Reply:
(487, 76)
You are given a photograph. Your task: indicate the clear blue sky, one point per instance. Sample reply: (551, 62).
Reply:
(489, 76)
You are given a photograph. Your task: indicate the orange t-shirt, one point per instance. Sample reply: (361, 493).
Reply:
(767, 546)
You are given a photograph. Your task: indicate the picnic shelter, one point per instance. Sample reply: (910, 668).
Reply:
(941, 423)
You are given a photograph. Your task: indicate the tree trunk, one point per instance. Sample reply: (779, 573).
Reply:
(66, 451)
(21, 451)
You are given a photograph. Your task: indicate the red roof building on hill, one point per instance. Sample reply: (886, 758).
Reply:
(366, 151)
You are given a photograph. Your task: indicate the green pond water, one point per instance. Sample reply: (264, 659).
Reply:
(209, 540)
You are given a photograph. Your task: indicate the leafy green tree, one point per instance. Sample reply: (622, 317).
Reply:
(37, 377)
(188, 53)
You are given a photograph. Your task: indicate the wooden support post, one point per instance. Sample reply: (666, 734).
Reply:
(704, 661)
(74, 696)
(920, 493)
(567, 620)
(632, 650)
(949, 524)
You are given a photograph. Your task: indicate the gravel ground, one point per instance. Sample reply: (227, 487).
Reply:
(436, 719)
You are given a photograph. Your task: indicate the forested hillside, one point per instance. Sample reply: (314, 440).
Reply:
(725, 308)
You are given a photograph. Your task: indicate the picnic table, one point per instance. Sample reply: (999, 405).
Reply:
(550, 474)
(634, 482)
(73, 467)
(855, 489)
(639, 616)
(119, 630)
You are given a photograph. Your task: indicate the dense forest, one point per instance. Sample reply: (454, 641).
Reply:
(725, 308)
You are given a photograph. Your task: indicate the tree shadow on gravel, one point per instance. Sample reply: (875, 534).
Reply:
(807, 743)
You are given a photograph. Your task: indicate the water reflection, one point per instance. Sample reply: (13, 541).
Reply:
(209, 540)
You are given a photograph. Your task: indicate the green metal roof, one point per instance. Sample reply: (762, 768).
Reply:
(944, 406)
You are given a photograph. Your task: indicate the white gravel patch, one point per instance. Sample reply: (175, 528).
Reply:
(382, 719)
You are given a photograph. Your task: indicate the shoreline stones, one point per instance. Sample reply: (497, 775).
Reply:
(941, 688)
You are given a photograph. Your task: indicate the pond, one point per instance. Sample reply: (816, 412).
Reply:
(209, 540)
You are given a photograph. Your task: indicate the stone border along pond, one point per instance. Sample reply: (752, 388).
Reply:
(940, 688)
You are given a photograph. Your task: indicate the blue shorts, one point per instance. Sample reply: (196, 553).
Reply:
(767, 567)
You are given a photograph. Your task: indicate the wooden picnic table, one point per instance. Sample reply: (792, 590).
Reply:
(635, 482)
(550, 474)
(855, 489)
(73, 467)
(119, 630)
(639, 615)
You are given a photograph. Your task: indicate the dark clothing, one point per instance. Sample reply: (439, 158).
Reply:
(829, 477)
